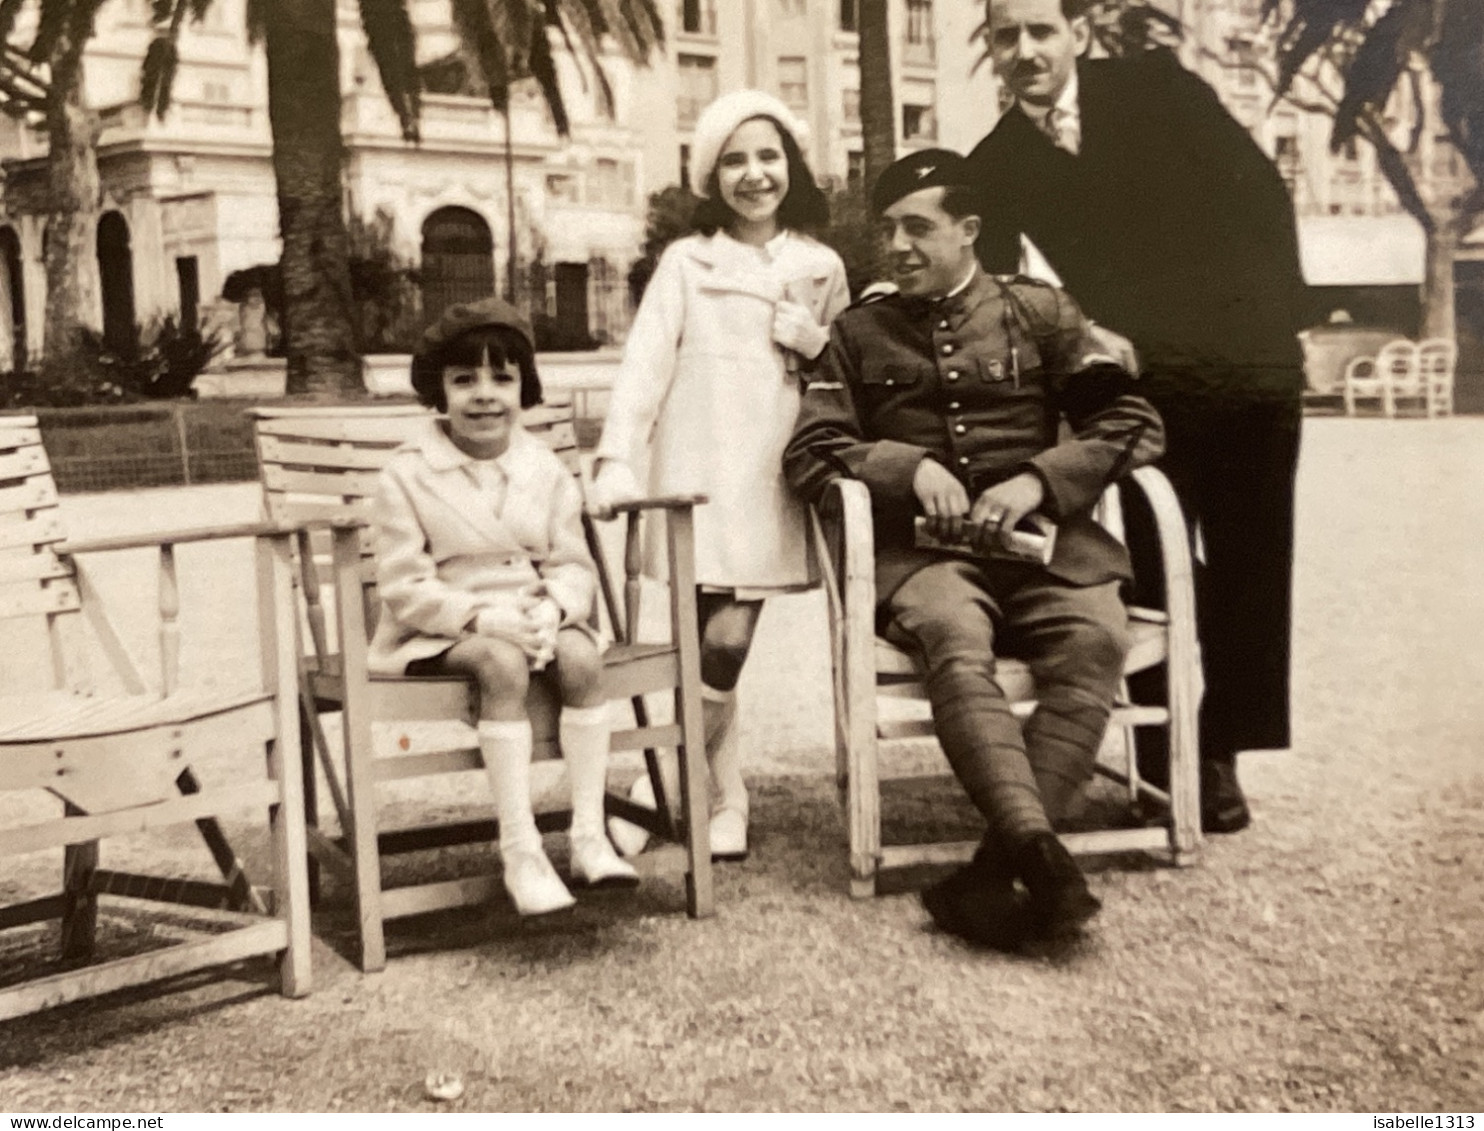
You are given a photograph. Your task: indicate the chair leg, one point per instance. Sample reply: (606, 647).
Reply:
(290, 866)
(244, 898)
(311, 797)
(80, 903)
(360, 783)
(863, 800)
(700, 896)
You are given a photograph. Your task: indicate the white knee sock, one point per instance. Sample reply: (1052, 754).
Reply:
(719, 711)
(506, 747)
(583, 733)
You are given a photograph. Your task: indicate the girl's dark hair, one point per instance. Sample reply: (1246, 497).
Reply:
(503, 344)
(803, 208)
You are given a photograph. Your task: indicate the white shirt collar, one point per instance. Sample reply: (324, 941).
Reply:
(1066, 101)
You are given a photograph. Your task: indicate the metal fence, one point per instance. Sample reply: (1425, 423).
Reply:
(160, 445)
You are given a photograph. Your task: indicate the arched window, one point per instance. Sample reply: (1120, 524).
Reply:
(458, 260)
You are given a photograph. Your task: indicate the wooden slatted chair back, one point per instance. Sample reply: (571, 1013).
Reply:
(323, 465)
(36, 584)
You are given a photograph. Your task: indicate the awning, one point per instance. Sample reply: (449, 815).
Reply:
(1362, 251)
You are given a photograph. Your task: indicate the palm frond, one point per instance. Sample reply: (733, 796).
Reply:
(582, 24)
(52, 22)
(1378, 65)
(543, 70)
(481, 45)
(9, 10)
(393, 46)
(1457, 60)
(1312, 24)
(157, 75)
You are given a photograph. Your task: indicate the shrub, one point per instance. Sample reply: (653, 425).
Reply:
(160, 361)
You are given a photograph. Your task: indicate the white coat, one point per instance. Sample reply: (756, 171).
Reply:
(453, 538)
(704, 398)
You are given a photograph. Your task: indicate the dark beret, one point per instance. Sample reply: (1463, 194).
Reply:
(465, 316)
(927, 168)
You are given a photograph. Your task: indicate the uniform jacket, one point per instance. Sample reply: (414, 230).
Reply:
(980, 382)
(705, 400)
(453, 537)
(1170, 225)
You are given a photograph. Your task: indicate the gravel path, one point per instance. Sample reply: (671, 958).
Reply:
(1328, 959)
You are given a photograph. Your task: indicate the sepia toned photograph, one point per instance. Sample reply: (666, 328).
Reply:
(803, 556)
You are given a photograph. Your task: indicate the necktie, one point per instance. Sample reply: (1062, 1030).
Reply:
(1062, 127)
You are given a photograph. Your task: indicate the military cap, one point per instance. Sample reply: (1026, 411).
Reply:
(927, 168)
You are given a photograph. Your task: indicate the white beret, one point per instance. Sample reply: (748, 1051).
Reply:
(721, 119)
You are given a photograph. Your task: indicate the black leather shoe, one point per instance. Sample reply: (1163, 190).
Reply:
(1223, 806)
(979, 904)
(1060, 901)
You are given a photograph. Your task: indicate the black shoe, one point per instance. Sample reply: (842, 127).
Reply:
(979, 906)
(1060, 901)
(1223, 807)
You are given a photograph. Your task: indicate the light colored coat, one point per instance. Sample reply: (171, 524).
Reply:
(706, 400)
(454, 535)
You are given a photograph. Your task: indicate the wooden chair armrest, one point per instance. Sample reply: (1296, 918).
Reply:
(1175, 558)
(849, 545)
(176, 537)
(659, 502)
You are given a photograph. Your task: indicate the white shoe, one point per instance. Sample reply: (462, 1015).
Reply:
(630, 838)
(596, 865)
(729, 834)
(533, 884)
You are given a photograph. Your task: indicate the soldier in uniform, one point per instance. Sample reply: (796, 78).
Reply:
(946, 399)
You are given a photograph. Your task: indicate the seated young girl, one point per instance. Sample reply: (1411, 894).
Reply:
(483, 571)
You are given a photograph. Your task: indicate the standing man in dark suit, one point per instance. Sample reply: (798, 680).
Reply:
(1170, 225)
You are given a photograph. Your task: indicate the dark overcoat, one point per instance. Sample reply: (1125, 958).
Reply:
(1171, 226)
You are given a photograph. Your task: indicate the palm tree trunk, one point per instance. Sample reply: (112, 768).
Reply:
(304, 114)
(878, 113)
(72, 289)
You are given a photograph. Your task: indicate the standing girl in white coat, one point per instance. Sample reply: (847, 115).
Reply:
(483, 570)
(708, 393)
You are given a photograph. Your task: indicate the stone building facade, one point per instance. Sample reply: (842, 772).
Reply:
(189, 199)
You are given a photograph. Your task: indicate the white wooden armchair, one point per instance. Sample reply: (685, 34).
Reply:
(126, 761)
(320, 465)
(869, 670)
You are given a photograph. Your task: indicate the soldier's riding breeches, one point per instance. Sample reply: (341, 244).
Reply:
(957, 614)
